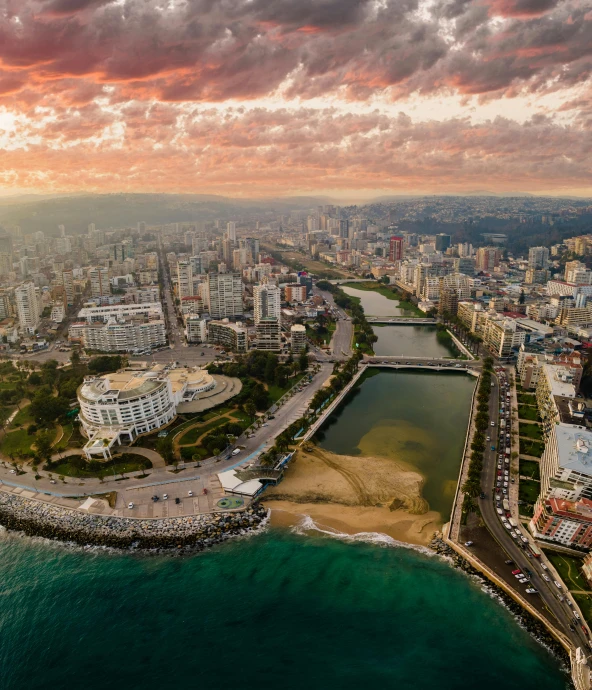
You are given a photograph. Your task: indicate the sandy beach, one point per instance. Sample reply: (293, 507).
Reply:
(354, 494)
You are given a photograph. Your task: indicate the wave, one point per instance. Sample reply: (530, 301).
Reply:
(307, 524)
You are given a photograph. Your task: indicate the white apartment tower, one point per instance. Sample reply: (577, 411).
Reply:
(68, 282)
(184, 279)
(231, 231)
(225, 295)
(27, 307)
(99, 281)
(538, 258)
(267, 300)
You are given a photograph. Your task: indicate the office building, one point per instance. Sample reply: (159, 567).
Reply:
(442, 242)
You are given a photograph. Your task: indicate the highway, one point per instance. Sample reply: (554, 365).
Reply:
(341, 343)
(547, 590)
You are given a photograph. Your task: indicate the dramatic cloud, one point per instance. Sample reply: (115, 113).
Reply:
(85, 82)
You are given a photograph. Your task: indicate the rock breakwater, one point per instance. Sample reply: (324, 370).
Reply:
(196, 532)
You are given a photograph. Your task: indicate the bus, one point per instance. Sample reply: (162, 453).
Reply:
(536, 552)
(506, 504)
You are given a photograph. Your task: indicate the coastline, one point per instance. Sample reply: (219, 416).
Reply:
(37, 519)
(353, 494)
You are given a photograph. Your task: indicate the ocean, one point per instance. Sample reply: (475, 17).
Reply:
(275, 610)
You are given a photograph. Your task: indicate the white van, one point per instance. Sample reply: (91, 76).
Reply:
(236, 451)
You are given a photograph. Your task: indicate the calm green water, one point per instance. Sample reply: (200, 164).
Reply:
(417, 416)
(415, 341)
(375, 304)
(273, 611)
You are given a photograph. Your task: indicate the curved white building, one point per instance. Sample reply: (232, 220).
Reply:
(120, 406)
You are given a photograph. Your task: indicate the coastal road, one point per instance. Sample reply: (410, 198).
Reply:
(261, 440)
(547, 590)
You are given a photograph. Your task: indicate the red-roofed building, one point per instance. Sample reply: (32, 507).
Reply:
(565, 522)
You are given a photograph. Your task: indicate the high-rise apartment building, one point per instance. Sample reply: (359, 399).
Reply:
(538, 258)
(27, 307)
(396, 248)
(487, 258)
(184, 279)
(68, 282)
(231, 231)
(442, 242)
(99, 281)
(267, 300)
(225, 295)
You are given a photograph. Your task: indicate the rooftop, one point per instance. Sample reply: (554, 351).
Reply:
(574, 448)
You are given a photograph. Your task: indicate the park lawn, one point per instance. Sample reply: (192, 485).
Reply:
(528, 491)
(569, 568)
(187, 453)
(526, 398)
(534, 448)
(17, 443)
(23, 417)
(65, 440)
(5, 412)
(530, 431)
(528, 412)
(530, 468)
(191, 436)
(131, 463)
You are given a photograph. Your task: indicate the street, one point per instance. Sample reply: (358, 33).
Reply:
(547, 590)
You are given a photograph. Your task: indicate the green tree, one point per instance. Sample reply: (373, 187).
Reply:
(165, 447)
(250, 409)
(43, 444)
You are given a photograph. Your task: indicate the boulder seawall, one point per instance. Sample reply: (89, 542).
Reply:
(196, 532)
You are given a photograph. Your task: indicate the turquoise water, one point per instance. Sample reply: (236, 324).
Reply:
(273, 611)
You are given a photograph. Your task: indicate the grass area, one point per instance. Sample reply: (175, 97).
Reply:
(531, 431)
(17, 443)
(191, 436)
(302, 262)
(530, 468)
(23, 417)
(78, 466)
(188, 453)
(528, 412)
(569, 568)
(64, 442)
(528, 491)
(526, 398)
(534, 448)
(5, 412)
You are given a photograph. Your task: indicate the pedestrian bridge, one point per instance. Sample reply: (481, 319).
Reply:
(433, 366)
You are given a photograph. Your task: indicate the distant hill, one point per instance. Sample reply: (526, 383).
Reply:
(120, 210)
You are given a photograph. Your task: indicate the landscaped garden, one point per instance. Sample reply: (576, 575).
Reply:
(528, 412)
(528, 491)
(530, 430)
(79, 466)
(530, 468)
(569, 569)
(534, 448)
(526, 399)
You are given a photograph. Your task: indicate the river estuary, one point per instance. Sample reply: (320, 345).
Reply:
(286, 608)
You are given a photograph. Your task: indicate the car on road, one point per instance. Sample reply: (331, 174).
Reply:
(130, 505)
(236, 451)
(492, 423)
(546, 577)
(469, 543)
(514, 572)
(190, 493)
(544, 567)
(531, 590)
(165, 496)
(557, 584)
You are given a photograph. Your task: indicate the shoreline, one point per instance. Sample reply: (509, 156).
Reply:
(37, 519)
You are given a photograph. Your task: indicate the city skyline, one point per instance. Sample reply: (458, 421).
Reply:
(352, 99)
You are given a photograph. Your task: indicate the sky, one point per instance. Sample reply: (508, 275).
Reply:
(254, 98)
